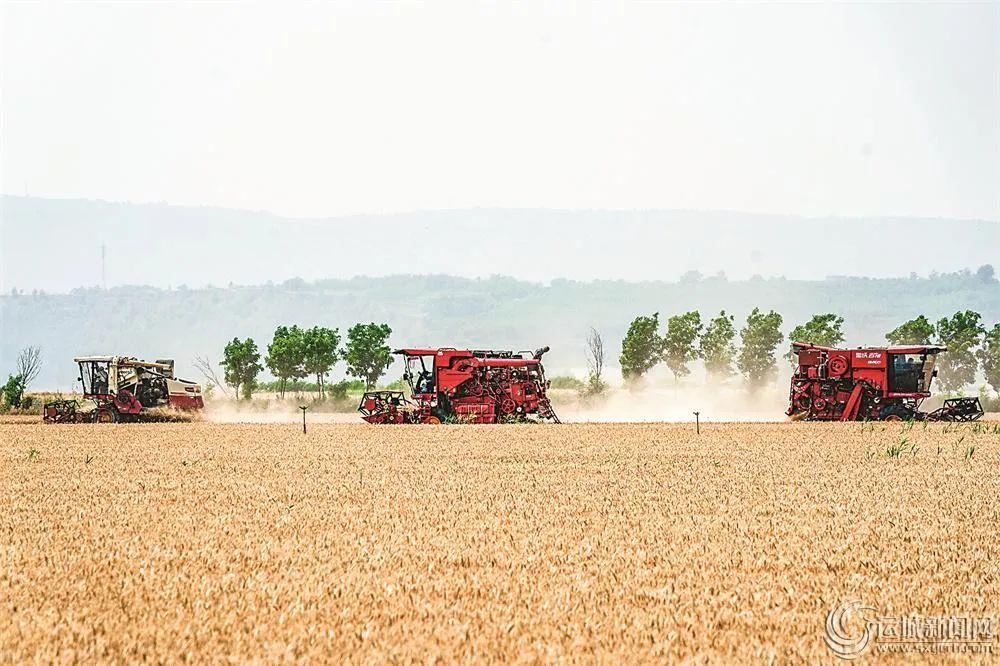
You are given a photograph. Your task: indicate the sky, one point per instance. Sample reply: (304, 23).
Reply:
(332, 109)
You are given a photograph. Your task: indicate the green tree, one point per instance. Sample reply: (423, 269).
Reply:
(917, 331)
(717, 346)
(367, 355)
(961, 334)
(286, 355)
(241, 362)
(13, 392)
(321, 353)
(679, 342)
(760, 336)
(641, 348)
(989, 357)
(822, 329)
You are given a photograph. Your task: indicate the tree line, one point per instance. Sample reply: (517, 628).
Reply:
(295, 353)
(970, 344)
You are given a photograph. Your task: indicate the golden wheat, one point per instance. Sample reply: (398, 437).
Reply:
(209, 542)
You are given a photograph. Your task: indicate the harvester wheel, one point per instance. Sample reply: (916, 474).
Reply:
(433, 420)
(895, 413)
(106, 416)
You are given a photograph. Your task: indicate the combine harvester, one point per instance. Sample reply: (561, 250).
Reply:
(460, 386)
(126, 389)
(872, 383)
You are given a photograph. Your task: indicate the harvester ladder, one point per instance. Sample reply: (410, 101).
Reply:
(547, 412)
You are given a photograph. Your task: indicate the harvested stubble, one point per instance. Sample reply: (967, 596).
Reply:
(200, 541)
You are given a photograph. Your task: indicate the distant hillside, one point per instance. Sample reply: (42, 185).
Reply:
(56, 245)
(441, 310)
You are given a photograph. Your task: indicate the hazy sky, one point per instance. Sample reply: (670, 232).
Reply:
(337, 108)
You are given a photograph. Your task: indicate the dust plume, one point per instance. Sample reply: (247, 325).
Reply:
(171, 415)
(666, 403)
(654, 402)
(277, 411)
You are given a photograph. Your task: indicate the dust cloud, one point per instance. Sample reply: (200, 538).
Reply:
(667, 403)
(225, 411)
(654, 402)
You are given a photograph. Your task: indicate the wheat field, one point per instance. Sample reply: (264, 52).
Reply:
(201, 542)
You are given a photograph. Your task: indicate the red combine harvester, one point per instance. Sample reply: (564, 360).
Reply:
(873, 383)
(456, 385)
(125, 389)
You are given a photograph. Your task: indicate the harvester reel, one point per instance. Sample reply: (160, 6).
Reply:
(384, 406)
(958, 409)
(62, 411)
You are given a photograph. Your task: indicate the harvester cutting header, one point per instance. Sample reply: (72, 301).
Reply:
(870, 383)
(125, 389)
(465, 386)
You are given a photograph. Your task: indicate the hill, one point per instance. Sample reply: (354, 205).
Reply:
(55, 245)
(445, 310)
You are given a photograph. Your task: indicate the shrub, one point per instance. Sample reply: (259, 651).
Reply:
(567, 382)
(339, 390)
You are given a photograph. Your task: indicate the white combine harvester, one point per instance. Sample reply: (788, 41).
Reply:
(125, 389)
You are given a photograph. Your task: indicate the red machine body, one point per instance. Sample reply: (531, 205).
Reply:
(871, 383)
(465, 386)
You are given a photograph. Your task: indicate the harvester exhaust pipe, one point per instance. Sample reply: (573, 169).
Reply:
(540, 351)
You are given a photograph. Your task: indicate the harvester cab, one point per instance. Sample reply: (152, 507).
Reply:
(911, 373)
(872, 383)
(419, 373)
(468, 386)
(125, 389)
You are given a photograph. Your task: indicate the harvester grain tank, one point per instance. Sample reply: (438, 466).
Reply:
(450, 385)
(870, 383)
(123, 388)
